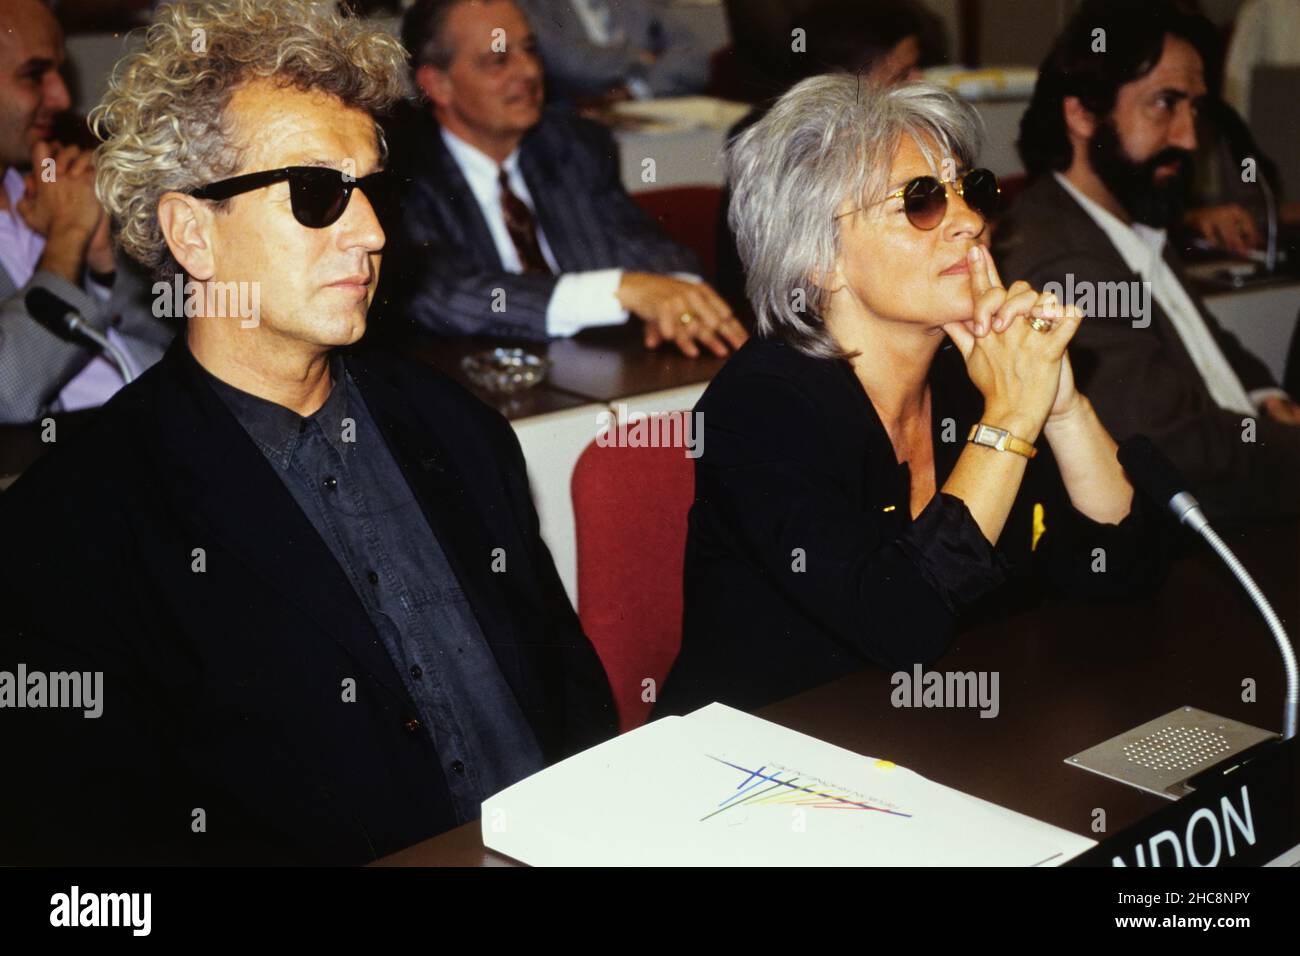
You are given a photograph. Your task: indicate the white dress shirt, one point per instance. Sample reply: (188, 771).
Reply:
(1142, 249)
(581, 299)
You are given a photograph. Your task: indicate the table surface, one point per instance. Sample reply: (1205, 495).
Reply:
(598, 365)
(1071, 675)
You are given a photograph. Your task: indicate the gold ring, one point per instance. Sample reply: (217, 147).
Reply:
(686, 318)
(1040, 325)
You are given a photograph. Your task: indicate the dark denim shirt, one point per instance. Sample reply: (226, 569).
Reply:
(340, 471)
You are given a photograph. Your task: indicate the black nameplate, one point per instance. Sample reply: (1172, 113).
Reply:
(1244, 812)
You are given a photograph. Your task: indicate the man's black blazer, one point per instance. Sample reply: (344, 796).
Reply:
(444, 272)
(1143, 380)
(160, 548)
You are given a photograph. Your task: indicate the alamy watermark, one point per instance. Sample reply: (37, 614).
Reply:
(77, 909)
(75, 690)
(946, 689)
(219, 300)
(621, 429)
(1106, 300)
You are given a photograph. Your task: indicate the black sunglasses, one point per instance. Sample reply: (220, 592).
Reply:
(318, 195)
(925, 198)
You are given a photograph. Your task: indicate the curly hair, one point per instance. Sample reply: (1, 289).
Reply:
(163, 121)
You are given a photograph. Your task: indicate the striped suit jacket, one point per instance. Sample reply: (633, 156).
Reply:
(443, 272)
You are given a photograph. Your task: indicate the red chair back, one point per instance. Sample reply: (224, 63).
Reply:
(630, 507)
(689, 215)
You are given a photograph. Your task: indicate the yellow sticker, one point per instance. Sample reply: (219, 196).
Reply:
(885, 765)
(1039, 526)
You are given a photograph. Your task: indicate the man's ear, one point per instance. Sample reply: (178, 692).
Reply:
(1079, 120)
(435, 84)
(185, 223)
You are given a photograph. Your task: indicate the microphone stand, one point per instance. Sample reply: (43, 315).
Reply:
(78, 325)
(1270, 204)
(1189, 513)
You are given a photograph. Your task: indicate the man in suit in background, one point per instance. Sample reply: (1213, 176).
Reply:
(1107, 141)
(310, 577)
(55, 236)
(624, 48)
(515, 222)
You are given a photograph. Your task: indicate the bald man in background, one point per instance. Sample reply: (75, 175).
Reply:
(55, 236)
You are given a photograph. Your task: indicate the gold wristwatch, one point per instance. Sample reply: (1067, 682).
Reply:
(1001, 439)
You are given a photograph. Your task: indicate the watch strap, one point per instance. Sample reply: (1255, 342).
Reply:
(1000, 439)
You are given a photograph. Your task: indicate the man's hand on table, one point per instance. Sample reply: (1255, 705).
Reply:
(1227, 226)
(1281, 409)
(682, 312)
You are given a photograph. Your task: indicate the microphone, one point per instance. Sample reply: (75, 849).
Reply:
(1241, 145)
(1153, 474)
(63, 320)
(1270, 204)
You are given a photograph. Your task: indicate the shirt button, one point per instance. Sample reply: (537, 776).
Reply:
(372, 577)
(457, 767)
(412, 725)
(416, 672)
(330, 482)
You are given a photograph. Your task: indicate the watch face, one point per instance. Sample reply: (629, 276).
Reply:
(987, 435)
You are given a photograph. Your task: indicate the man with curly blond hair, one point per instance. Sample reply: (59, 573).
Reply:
(309, 577)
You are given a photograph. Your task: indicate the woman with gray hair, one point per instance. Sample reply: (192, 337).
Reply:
(874, 464)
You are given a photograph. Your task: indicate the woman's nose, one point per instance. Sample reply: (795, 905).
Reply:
(961, 218)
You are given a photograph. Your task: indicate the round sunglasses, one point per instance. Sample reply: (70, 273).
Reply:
(318, 195)
(925, 198)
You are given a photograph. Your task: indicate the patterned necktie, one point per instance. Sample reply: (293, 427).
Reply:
(522, 229)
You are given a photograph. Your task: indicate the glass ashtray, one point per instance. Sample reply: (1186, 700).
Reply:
(505, 371)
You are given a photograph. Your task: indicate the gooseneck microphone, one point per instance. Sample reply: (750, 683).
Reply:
(1153, 474)
(1270, 205)
(62, 319)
